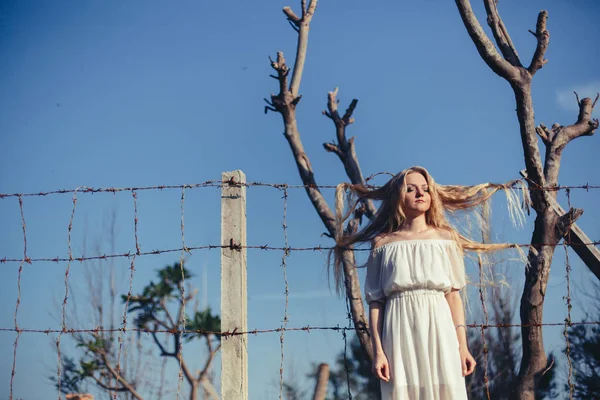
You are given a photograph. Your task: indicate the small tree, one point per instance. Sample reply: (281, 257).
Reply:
(153, 310)
(153, 313)
(105, 361)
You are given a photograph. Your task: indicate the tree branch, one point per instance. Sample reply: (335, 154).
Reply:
(285, 103)
(303, 25)
(208, 386)
(544, 133)
(585, 125)
(345, 148)
(500, 32)
(282, 73)
(107, 387)
(203, 376)
(333, 148)
(559, 136)
(119, 378)
(543, 38)
(484, 46)
(292, 17)
(168, 314)
(565, 221)
(163, 351)
(211, 355)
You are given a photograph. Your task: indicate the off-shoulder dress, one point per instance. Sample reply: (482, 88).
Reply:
(419, 337)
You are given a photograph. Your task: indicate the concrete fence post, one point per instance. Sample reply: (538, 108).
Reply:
(234, 317)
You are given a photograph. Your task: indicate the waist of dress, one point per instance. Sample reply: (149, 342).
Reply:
(415, 292)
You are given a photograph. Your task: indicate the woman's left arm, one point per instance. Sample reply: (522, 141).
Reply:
(458, 317)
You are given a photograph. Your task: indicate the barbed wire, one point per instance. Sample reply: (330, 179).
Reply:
(239, 247)
(566, 242)
(237, 332)
(220, 183)
(284, 257)
(232, 245)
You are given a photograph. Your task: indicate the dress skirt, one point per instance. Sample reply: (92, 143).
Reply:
(420, 342)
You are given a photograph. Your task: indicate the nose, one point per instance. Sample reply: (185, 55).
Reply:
(420, 193)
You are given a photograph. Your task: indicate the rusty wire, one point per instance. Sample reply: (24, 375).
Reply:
(220, 183)
(484, 348)
(182, 316)
(284, 257)
(286, 249)
(566, 242)
(16, 344)
(236, 332)
(189, 249)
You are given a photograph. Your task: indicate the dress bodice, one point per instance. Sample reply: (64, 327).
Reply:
(414, 264)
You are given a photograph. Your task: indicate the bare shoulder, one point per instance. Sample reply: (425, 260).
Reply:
(444, 234)
(377, 240)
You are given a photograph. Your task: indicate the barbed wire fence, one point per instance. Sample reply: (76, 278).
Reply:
(286, 250)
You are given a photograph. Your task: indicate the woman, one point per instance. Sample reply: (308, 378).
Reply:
(414, 274)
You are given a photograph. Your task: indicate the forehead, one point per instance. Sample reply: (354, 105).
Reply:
(415, 178)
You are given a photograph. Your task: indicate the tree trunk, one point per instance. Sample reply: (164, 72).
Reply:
(322, 381)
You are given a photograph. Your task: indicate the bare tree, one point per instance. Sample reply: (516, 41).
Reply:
(153, 313)
(285, 103)
(542, 177)
(124, 364)
(107, 359)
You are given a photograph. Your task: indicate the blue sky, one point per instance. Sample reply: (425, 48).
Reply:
(121, 94)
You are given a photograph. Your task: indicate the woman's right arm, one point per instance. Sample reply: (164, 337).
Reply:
(381, 366)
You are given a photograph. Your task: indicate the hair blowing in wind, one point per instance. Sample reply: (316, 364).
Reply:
(472, 202)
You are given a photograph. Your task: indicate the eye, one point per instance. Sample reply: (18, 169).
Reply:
(409, 189)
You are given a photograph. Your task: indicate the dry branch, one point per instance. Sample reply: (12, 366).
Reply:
(344, 148)
(543, 38)
(501, 35)
(285, 103)
(484, 45)
(549, 228)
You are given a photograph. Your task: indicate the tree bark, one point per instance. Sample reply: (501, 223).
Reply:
(285, 103)
(547, 232)
(322, 381)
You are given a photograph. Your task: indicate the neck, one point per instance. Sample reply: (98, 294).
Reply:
(414, 223)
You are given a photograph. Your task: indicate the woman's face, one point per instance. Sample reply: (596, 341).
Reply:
(416, 199)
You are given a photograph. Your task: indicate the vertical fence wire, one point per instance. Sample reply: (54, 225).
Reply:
(482, 297)
(181, 322)
(17, 329)
(182, 316)
(284, 257)
(568, 322)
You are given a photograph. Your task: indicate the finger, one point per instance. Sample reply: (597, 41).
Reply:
(386, 372)
(472, 366)
(381, 371)
(379, 374)
(464, 367)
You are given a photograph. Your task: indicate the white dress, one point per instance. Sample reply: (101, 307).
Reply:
(418, 335)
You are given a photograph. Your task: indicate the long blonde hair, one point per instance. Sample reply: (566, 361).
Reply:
(445, 199)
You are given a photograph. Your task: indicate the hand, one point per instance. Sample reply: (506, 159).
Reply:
(381, 367)
(467, 361)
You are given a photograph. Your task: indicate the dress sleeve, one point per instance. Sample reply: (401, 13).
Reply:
(373, 281)
(457, 267)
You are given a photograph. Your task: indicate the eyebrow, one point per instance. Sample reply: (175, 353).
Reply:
(410, 184)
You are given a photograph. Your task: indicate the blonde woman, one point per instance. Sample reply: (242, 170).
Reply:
(414, 274)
